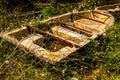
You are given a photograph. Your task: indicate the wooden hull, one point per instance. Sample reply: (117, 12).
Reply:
(71, 32)
(113, 8)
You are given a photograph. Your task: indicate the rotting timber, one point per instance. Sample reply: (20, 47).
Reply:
(112, 8)
(68, 33)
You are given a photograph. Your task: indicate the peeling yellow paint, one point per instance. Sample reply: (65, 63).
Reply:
(53, 56)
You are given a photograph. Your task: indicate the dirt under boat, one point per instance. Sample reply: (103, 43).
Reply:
(71, 32)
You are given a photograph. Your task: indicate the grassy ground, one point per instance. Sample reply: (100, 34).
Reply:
(100, 60)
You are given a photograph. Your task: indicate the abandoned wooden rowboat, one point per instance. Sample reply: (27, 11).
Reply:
(113, 8)
(70, 32)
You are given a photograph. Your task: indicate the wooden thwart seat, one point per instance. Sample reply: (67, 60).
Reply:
(70, 35)
(90, 25)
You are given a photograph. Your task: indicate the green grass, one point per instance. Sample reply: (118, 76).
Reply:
(100, 60)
